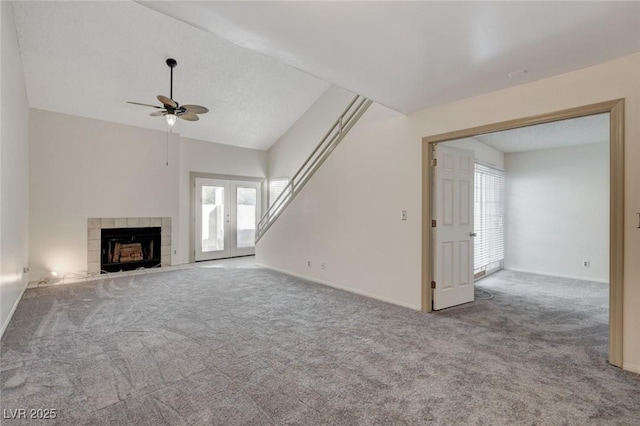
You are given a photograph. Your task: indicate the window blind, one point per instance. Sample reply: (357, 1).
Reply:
(488, 216)
(276, 186)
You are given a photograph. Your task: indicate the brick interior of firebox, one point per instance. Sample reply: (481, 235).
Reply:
(127, 252)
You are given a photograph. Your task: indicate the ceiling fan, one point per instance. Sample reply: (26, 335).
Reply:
(172, 110)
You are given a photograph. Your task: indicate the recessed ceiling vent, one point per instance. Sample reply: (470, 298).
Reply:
(516, 74)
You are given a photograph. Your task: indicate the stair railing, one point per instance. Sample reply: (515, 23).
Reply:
(329, 142)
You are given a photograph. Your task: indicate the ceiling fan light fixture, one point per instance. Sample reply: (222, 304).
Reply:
(171, 119)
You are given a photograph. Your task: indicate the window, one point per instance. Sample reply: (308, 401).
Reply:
(488, 219)
(276, 187)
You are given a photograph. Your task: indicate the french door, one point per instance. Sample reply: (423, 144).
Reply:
(226, 213)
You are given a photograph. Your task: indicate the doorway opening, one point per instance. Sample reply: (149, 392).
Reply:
(225, 214)
(615, 110)
(488, 219)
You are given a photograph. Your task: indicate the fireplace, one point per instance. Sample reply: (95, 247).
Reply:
(125, 249)
(95, 227)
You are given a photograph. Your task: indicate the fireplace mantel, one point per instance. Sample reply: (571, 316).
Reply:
(95, 225)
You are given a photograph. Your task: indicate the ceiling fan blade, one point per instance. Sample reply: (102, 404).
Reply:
(158, 113)
(189, 116)
(196, 109)
(167, 101)
(138, 103)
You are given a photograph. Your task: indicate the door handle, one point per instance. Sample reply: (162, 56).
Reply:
(473, 234)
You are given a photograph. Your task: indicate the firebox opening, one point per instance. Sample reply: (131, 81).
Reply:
(126, 249)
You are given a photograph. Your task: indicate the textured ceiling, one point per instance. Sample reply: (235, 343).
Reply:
(259, 65)
(88, 58)
(576, 131)
(412, 55)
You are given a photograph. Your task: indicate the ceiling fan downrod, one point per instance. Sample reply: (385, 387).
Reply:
(171, 63)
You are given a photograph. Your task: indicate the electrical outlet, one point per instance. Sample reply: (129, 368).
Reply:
(175, 252)
(309, 263)
(403, 215)
(586, 263)
(323, 266)
(25, 270)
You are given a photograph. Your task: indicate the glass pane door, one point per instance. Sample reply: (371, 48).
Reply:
(246, 216)
(226, 214)
(212, 219)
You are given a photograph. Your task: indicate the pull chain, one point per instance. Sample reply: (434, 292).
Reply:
(168, 131)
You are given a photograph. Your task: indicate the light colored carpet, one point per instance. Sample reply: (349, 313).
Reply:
(238, 346)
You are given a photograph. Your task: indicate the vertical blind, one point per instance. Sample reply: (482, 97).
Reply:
(488, 216)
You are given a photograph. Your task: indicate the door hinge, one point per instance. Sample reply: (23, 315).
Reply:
(434, 162)
(433, 223)
(433, 284)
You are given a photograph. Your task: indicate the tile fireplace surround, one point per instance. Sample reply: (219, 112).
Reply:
(94, 236)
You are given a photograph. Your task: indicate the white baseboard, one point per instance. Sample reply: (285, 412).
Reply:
(13, 310)
(631, 367)
(339, 287)
(546, 273)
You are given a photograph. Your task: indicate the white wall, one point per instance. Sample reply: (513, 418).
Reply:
(557, 211)
(14, 190)
(348, 215)
(483, 153)
(81, 168)
(293, 148)
(344, 218)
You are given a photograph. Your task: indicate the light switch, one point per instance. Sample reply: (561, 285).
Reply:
(403, 215)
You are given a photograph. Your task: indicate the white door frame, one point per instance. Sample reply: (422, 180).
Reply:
(192, 199)
(615, 108)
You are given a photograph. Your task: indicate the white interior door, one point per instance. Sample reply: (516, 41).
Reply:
(226, 214)
(453, 234)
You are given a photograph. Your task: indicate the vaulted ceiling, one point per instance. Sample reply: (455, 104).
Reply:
(89, 58)
(259, 65)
